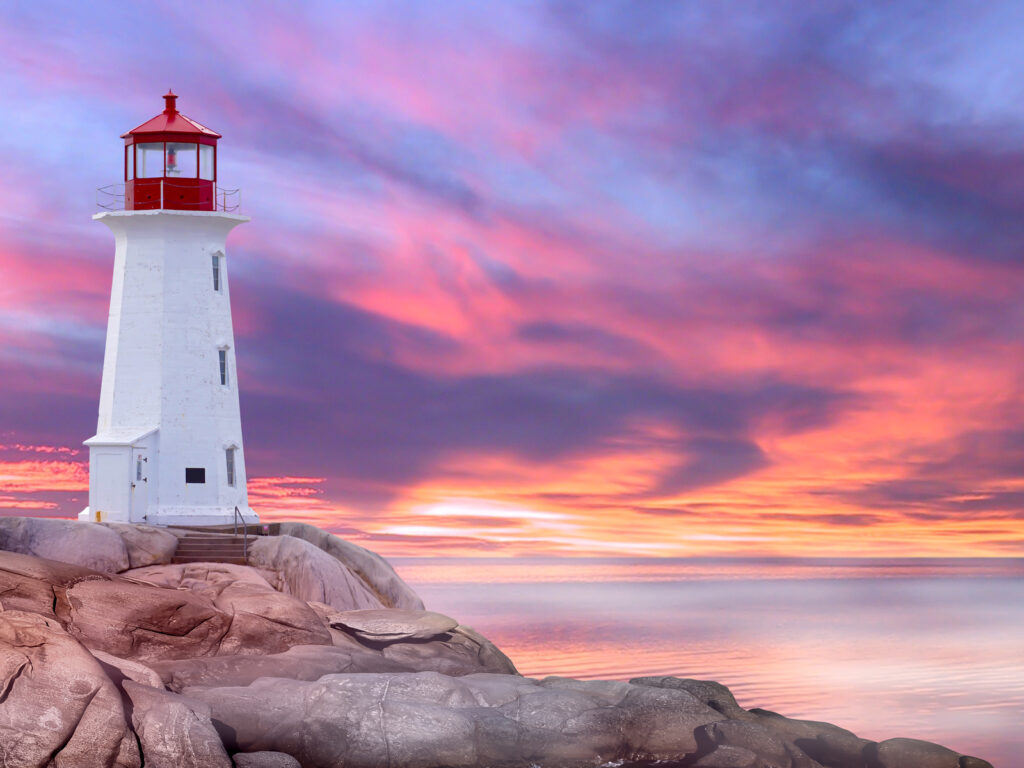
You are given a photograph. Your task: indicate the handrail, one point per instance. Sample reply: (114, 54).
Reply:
(112, 197)
(245, 534)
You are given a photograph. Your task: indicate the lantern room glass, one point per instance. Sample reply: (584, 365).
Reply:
(129, 162)
(181, 160)
(206, 162)
(150, 159)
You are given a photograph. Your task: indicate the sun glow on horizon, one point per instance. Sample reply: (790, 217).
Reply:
(620, 304)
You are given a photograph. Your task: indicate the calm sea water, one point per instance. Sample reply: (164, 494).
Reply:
(930, 649)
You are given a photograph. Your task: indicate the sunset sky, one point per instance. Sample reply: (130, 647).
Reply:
(566, 278)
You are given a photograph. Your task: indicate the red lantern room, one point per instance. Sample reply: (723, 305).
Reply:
(170, 162)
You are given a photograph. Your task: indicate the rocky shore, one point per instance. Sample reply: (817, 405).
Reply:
(316, 654)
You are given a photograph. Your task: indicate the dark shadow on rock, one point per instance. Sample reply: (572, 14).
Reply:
(228, 735)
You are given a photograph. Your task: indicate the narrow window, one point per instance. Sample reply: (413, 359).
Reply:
(150, 158)
(230, 456)
(206, 162)
(195, 474)
(223, 354)
(138, 468)
(216, 272)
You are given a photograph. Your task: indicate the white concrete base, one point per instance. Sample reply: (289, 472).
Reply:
(185, 516)
(199, 516)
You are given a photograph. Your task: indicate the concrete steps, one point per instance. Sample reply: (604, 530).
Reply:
(211, 548)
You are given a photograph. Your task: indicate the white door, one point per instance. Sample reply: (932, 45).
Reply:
(108, 494)
(140, 485)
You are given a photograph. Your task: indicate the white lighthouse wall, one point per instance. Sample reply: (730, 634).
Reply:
(132, 358)
(161, 366)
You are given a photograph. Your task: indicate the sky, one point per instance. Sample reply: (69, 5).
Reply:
(557, 278)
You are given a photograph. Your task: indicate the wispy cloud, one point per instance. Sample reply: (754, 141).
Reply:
(560, 277)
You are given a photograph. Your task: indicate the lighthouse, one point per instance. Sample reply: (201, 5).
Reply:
(168, 443)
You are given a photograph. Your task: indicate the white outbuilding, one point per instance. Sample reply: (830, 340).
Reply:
(168, 443)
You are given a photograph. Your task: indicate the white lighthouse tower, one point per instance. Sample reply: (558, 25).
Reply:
(168, 443)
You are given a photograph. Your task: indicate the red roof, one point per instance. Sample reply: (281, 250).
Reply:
(171, 121)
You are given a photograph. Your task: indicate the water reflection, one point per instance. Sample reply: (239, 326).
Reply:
(928, 649)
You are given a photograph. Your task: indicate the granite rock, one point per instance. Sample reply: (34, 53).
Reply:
(826, 743)
(174, 732)
(262, 619)
(30, 583)
(302, 662)
(459, 652)
(264, 760)
(90, 545)
(748, 735)
(58, 708)
(715, 695)
(119, 670)
(425, 718)
(374, 570)
(300, 569)
(911, 753)
(145, 544)
(140, 622)
(388, 624)
(206, 579)
(725, 756)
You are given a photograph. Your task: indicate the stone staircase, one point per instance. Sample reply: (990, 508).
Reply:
(197, 547)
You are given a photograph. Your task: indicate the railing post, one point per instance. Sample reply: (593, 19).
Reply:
(245, 534)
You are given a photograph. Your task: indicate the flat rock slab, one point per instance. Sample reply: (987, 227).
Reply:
(429, 719)
(390, 624)
(207, 579)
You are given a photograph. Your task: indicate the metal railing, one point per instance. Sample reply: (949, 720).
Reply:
(245, 534)
(112, 197)
(227, 200)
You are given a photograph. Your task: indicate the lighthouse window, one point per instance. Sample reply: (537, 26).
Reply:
(195, 474)
(230, 455)
(129, 163)
(181, 160)
(223, 354)
(150, 158)
(216, 272)
(206, 162)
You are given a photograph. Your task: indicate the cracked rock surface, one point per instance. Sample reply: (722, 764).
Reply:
(318, 655)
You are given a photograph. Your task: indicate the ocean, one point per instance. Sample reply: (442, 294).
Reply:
(922, 648)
